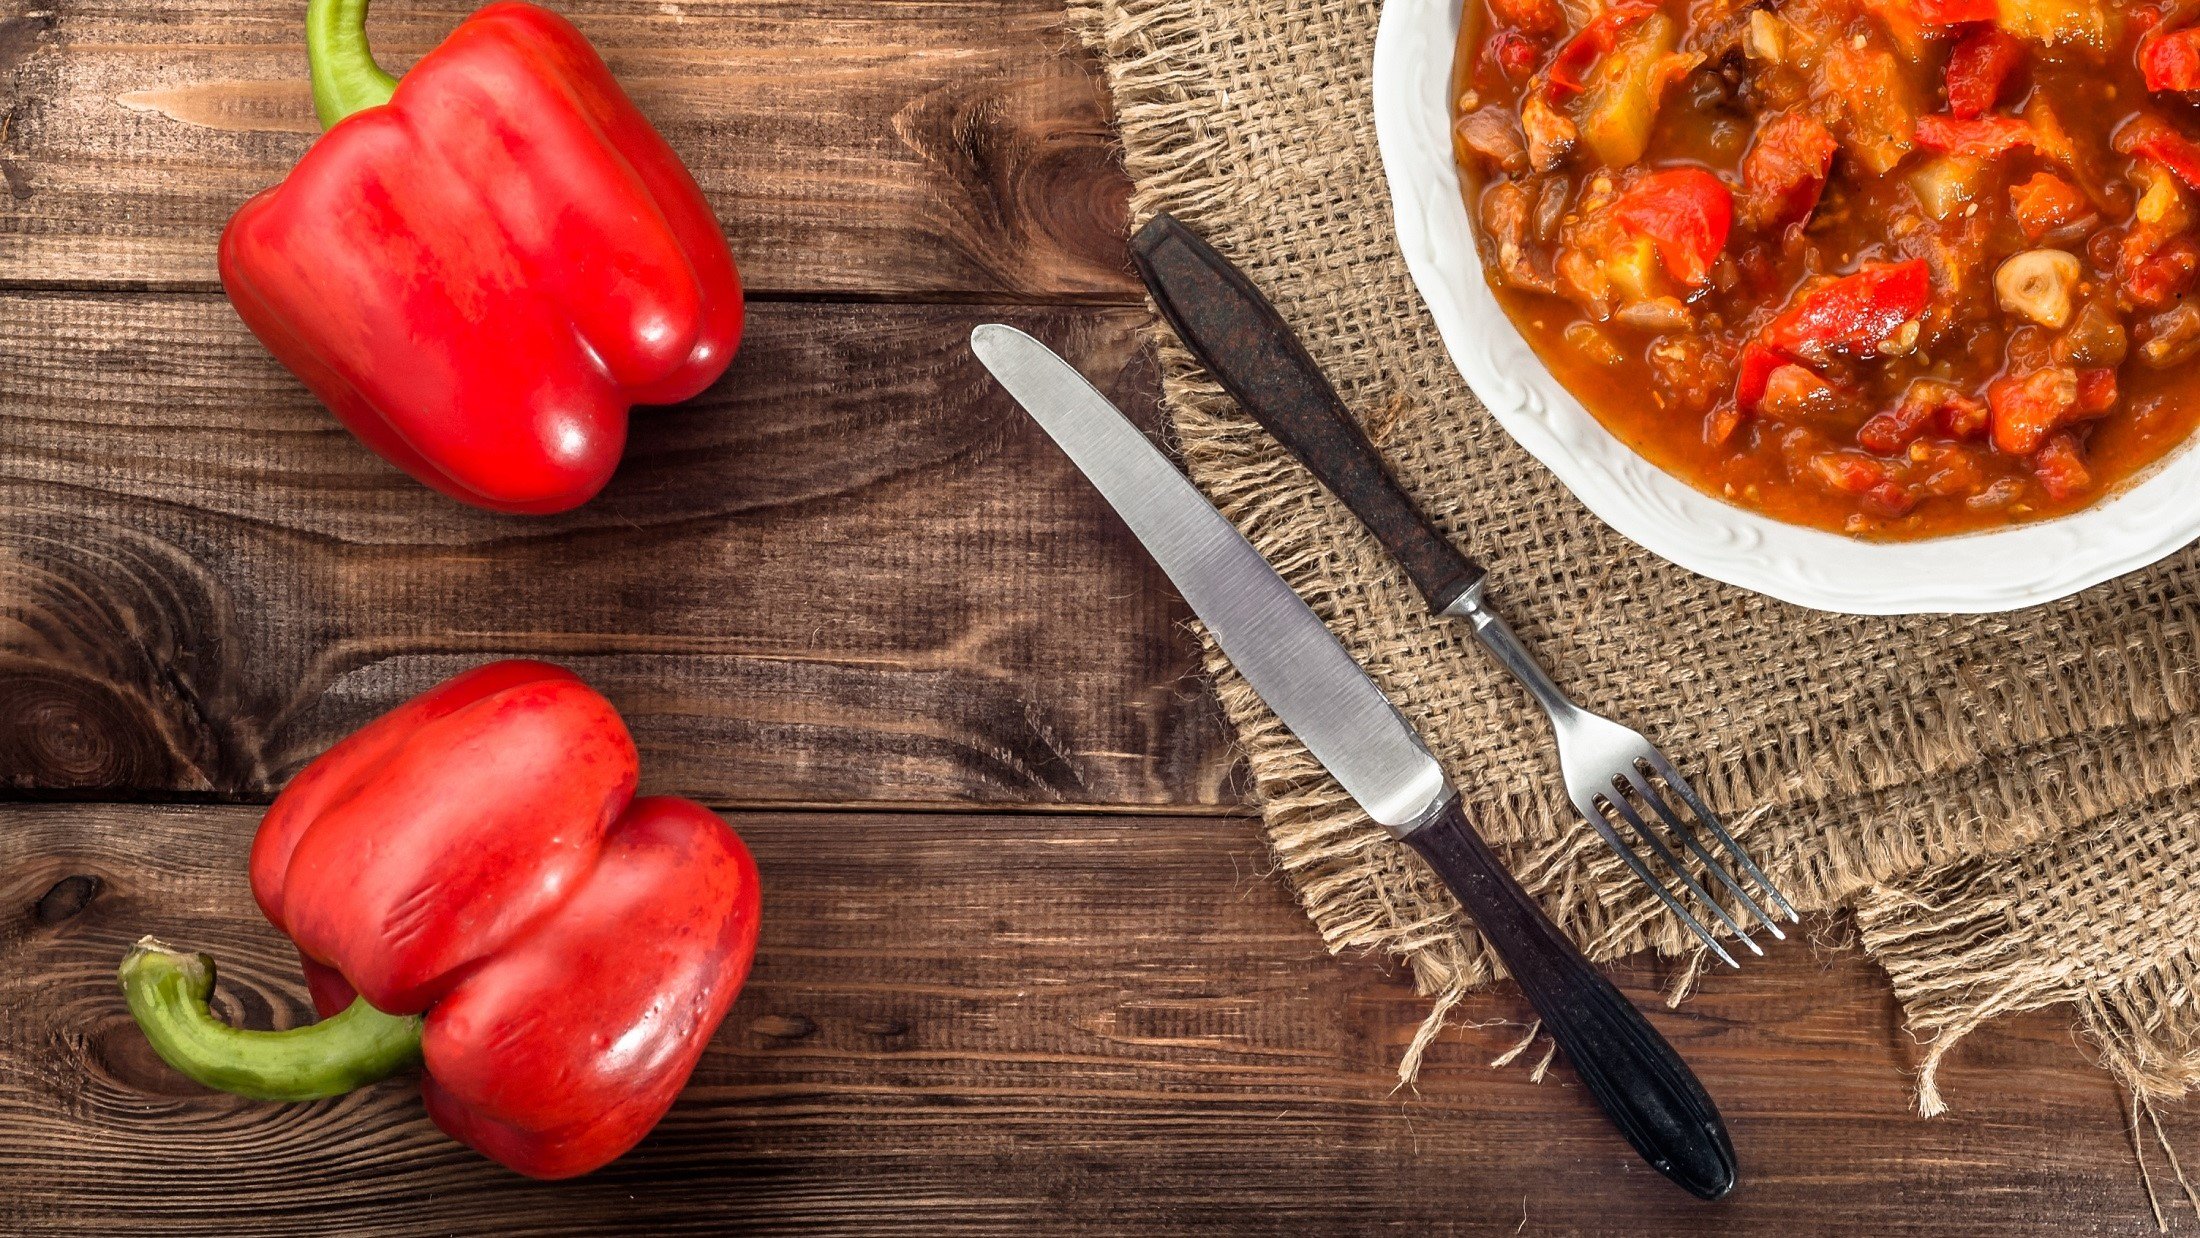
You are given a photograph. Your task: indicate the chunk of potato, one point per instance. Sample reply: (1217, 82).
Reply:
(2057, 21)
(1620, 105)
(1948, 184)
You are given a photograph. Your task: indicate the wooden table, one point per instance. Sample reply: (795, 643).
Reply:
(1024, 968)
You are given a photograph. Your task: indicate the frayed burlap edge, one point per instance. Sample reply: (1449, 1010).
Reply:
(1969, 942)
(2052, 924)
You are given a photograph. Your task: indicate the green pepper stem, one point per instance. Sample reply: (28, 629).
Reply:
(168, 990)
(345, 77)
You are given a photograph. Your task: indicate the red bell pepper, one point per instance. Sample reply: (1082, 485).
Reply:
(1687, 213)
(1784, 173)
(471, 884)
(482, 268)
(2151, 137)
(1984, 62)
(1529, 17)
(1569, 70)
(1925, 13)
(1987, 137)
(2171, 62)
(1855, 316)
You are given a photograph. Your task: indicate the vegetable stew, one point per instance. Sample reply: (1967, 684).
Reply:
(1894, 268)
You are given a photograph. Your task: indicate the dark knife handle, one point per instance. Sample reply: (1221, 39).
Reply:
(1643, 1085)
(1241, 340)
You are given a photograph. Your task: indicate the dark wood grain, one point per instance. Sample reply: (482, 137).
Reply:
(919, 147)
(852, 572)
(1015, 1025)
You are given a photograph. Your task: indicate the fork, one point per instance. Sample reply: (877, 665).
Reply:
(1610, 770)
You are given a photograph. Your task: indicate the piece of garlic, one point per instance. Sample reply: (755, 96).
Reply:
(1767, 39)
(2038, 284)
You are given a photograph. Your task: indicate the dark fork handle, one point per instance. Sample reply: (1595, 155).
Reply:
(1643, 1085)
(1246, 345)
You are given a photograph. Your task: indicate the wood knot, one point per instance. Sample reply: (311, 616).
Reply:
(1045, 195)
(59, 729)
(120, 1050)
(66, 900)
(783, 1027)
(115, 670)
(883, 1027)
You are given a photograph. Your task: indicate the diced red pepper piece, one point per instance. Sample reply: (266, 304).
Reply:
(2151, 137)
(1909, 21)
(2097, 392)
(1793, 392)
(1754, 376)
(1848, 472)
(2028, 409)
(1721, 424)
(2172, 61)
(1889, 432)
(1980, 68)
(2047, 202)
(2061, 468)
(1786, 168)
(1925, 406)
(1515, 54)
(1543, 17)
(1953, 12)
(1890, 499)
(2159, 276)
(1854, 315)
(1987, 137)
(1577, 55)
(1687, 213)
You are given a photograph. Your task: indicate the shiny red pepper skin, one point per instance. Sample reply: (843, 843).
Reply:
(1850, 316)
(1687, 213)
(475, 854)
(483, 275)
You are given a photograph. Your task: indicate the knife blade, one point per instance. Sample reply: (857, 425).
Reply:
(1281, 647)
(1296, 665)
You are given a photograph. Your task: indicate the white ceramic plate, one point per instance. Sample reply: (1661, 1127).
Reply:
(1979, 573)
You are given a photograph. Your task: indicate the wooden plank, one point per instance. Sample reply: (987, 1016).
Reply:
(1008, 1025)
(927, 147)
(853, 572)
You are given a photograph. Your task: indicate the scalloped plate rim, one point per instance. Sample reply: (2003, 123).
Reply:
(1978, 573)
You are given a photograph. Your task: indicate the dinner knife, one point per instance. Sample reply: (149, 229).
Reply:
(1297, 666)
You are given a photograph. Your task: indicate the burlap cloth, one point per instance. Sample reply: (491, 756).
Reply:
(2008, 804)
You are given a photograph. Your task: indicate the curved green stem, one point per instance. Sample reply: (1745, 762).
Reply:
(168, 990)
(345, 77)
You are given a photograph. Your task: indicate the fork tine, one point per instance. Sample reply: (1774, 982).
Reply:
(1688, 838)
(1674, 780)
(1627, 813)
(1595, 816)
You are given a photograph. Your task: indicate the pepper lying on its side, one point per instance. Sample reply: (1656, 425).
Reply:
(481, 268)
(470, 882)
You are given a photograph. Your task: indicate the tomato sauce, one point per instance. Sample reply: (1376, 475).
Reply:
(1892, 268)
